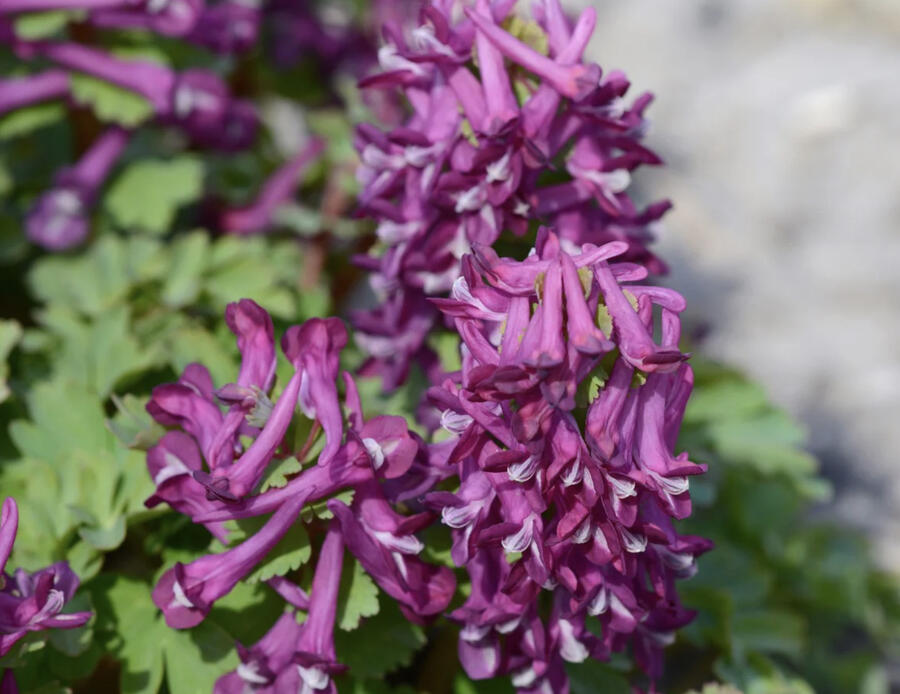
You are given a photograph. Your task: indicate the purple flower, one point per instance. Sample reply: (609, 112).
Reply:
(384, 544)
(171, 464)
(21, 92)
(168, 17)
(315, 654)
(544, 502)
(468, 162)
(60, 217)
(185, 593)
(263, 667)
(275, 191)
(231, 26)
(196, 100)
(32, 601)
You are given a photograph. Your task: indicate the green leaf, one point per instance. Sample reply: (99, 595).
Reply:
(149, 192)
(715, 688)
(381, 644)
(195, 344)
(358, 597)
(41, 25)
(26, 120)
(278, 472)
(105, 537)
(779, 685)
(592, 676)
(190, 255)
(98, 353)
(10, 334)
(196, 658)
(768, 631)
(126, 611)
(132, 424)
(291, 552)
(110, 103)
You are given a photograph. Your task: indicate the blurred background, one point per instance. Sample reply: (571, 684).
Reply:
(778, 120)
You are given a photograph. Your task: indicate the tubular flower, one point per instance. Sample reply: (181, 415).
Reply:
(60, 217)
(193, 405)
(185, 593)
(31, 602)
(565, 414)
(473, 160)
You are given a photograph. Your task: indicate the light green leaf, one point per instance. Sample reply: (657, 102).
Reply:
(276, 475)
(26, 120)
(110, 103)
(190, 255)
(196, 658)
(358, 597)
(291, 552)
(715, 688)
(97, 353)
(132, 424)
(10, 334)
(149, 192)
(41, 25)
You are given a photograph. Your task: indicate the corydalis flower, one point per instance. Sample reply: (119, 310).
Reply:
(568, 478)
(21, 92)
(470, 161)
(275, 191)
(171, 17)
(185, 593)
(293, 657)
(32, 602)
(60, 218)
(191, 404)
(196, 100)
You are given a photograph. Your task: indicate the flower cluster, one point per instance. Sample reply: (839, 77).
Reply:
(203, 469)
(558, 480)
(565, 415)
(198, 102)
(538, 137)
(31, 602)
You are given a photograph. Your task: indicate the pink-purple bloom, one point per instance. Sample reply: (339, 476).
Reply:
(471, 162)
(31, 602)
(568, 478)
(60, 218)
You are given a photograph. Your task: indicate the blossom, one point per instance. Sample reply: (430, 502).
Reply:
(568, 479)
(263, 666)
(185, 593)
(274, 192)
(384, 544)
(196, 100)
(20, 92)
(32, 602)
(468, 162)
(60, 217)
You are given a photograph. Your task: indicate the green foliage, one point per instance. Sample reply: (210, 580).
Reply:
(10, 334)
(780, 592)
(358, 597)
(148, 193)
(108, 102)
(42, 25)
(291, 552)
(27, 120)
(381, 644)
